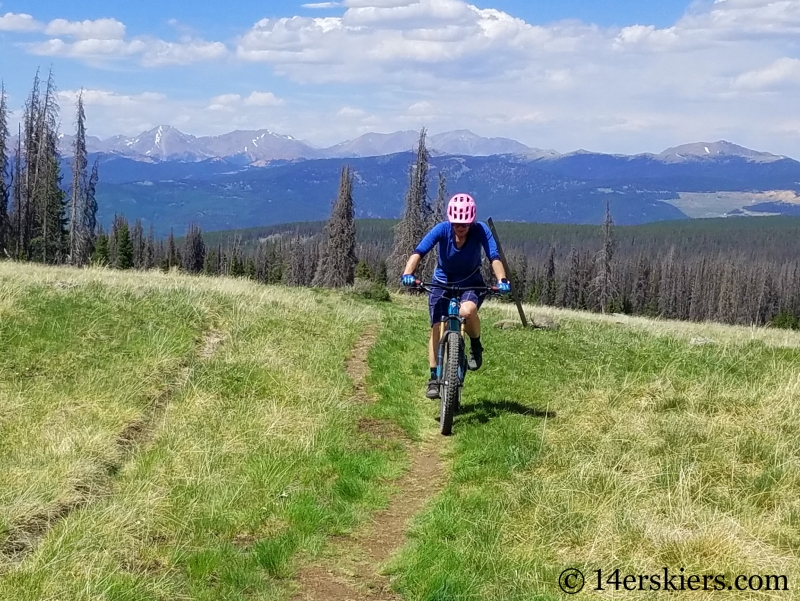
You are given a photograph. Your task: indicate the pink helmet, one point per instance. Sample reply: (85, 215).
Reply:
(461, 209)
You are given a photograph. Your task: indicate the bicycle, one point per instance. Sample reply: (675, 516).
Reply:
(451, 360)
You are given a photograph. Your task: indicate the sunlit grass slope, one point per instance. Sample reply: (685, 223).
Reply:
(139, 461)
(610, 444)
(242, 460)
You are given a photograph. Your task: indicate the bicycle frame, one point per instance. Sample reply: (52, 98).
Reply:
(450, 377)
(453, 322)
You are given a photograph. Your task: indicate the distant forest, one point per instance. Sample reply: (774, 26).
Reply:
(735, 270)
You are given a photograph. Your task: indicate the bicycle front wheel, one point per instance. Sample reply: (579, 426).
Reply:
(451, 384)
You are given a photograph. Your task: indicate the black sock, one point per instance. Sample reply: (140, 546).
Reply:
(475, 342)
(433, 373)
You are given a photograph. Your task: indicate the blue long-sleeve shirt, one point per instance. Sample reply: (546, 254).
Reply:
(459, 265)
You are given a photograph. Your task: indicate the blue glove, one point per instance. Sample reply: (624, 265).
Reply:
(504, 286)
(408, 280)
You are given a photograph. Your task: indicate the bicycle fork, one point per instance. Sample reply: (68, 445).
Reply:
(454, 323)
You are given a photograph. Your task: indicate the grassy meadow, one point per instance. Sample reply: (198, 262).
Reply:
(167, 437)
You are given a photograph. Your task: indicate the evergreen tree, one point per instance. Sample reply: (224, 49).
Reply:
(363, 272)
(440, 205)
(603, 285)
(101, 254)
(382, 277)
(210, 263)
(138, 243)
(48, 239)
(80, 237)
(337, 267)
(416, 216)
(548, 293)
(194, 250)
(236, 266)
(172, 252)
(570, 296)
(295, 274)
(250, 269)
(124, 259)
(150, 250)
(15, 216)
(5, 229)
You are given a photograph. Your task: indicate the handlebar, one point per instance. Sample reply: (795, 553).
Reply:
(426, 286)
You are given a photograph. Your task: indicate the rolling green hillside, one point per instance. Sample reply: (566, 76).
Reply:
(164, 436)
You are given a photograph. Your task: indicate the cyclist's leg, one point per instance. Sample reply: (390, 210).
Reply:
(469, 310)
(470, 303)
(437, 305)
(433, 346)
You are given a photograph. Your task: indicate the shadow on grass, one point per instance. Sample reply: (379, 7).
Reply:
(484, 410)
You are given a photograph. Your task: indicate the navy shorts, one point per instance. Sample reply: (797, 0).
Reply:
(439, 302)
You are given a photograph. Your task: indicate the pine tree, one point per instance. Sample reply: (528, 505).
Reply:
(295, 274)
(337, 267)
(124, 246)
(236, 266)
(150, 250)
(172, 252)
(363, 272)
(138, 242)
(101, 254)
(440, 205)
(80, 236)
(641, 293)
(194, 250)
(416, 215)
(571, 293)
(210, 263)
(5, 229)
(548, 293)
(603, 285)
(15, 216)
(48, 232)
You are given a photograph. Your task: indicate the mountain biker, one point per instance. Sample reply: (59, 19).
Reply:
(459, 241)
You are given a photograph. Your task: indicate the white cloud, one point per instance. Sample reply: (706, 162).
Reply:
(19, 22)
(447, 64)
(231, 102)
(160, 53)
(100, 29)
(379, 3)
(106, 98)
(782, 72)
(262, 99)
(151, 52)
(322, 5)
(388, 37)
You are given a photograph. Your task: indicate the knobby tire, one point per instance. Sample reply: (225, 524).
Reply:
(451, 385)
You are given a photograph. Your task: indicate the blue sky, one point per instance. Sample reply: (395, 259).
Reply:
(617, 76)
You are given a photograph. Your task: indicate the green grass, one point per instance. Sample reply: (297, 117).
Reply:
(610, 443)
(604, 446)
(254, 460)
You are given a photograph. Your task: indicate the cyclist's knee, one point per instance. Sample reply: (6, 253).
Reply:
(469, 310)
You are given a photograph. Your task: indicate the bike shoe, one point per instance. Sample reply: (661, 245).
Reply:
(433, 389)
(475, 358)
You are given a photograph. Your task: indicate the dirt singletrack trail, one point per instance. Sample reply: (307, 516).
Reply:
(350, 569)
(25, 535)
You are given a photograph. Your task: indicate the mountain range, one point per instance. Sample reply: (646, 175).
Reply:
(170, 179)
(166, 143)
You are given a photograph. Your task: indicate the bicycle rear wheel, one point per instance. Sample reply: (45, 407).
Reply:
(451, 384)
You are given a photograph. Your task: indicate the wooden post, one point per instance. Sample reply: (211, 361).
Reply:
(514, 292)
